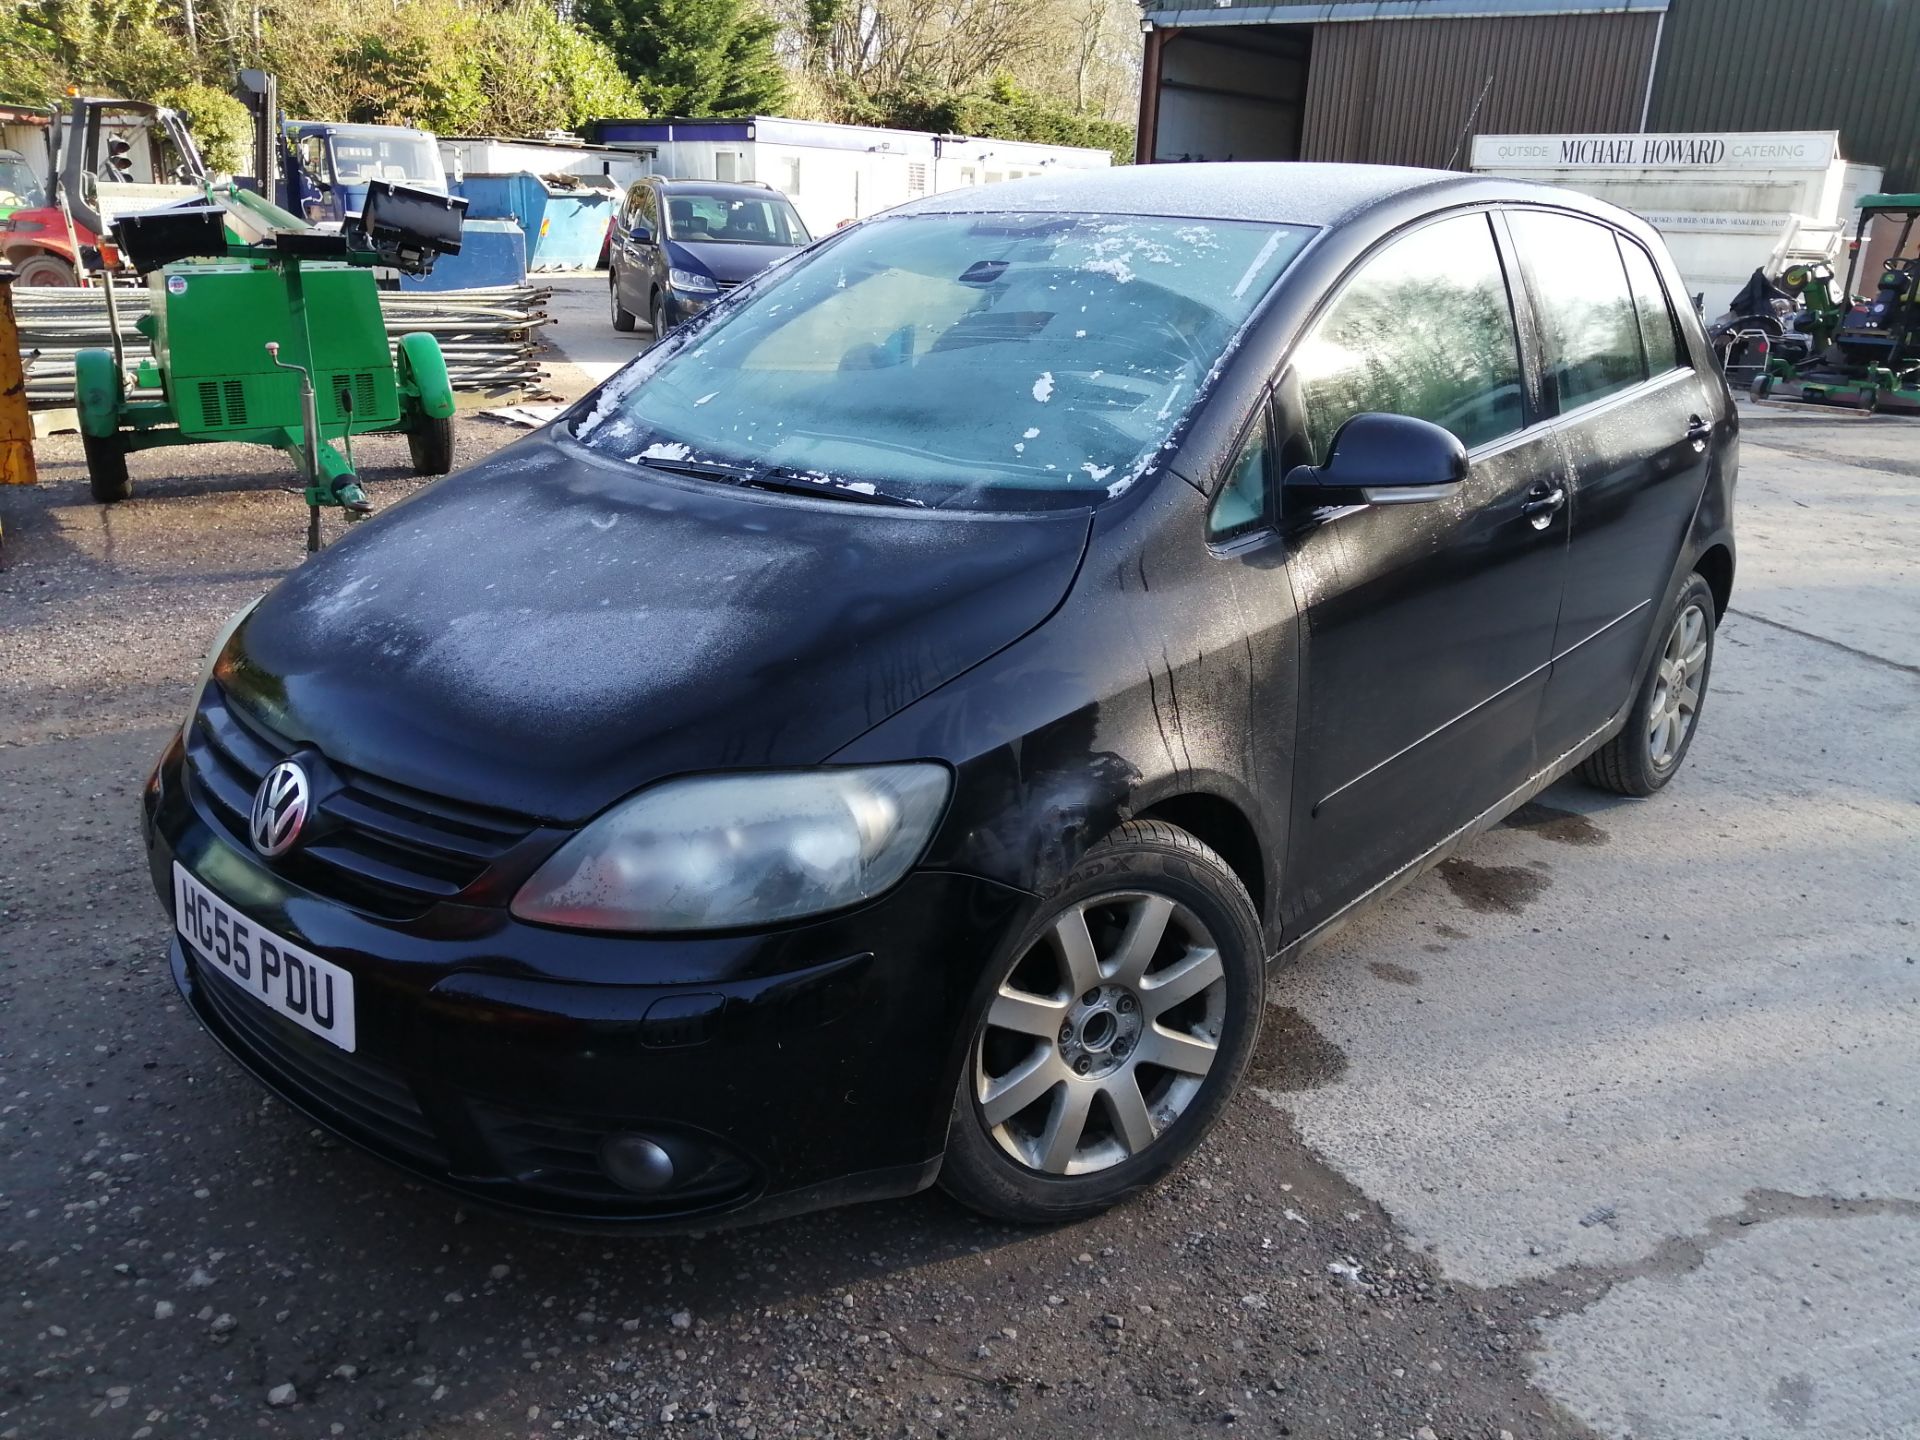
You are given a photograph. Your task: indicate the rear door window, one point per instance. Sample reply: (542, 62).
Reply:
(1585, 307)
(1657, 333)
(1425, 328)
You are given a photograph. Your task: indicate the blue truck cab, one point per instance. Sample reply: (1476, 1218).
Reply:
(327, 166)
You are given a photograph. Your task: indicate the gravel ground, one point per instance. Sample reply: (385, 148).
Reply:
(182, 1255)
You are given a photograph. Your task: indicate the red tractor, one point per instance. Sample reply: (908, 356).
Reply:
(109, 157)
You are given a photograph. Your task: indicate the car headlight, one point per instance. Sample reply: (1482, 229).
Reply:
(692, 282)
(715, 852)
(234, 622)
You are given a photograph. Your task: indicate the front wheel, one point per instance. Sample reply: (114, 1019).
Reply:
(430, 444)
(657, 317)
(45, 269)
(1644, 756)
(1112, 1035)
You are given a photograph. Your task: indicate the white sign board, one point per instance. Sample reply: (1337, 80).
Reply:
(1733, 150)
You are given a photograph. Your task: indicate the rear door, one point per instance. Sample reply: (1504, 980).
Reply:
(1634, 419)
(1429, 627)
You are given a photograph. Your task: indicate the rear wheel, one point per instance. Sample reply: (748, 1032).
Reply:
(1644, 756)
(106, 468)
(1114, 1034)
(623, 319)
(44, 269)
(430, 444)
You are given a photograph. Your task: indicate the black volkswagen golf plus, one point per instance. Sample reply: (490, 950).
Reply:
(886, 731)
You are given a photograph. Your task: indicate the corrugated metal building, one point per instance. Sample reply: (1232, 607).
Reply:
(1412, 81)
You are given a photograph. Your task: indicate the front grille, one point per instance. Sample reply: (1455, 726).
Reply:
(370, 1099)
(378, 847)
(562, 1157)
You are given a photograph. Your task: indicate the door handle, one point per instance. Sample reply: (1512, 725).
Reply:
(1541, 502)
(1698, 431)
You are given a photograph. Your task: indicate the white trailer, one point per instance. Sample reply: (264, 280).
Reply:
(834, 173)
(1727, 203)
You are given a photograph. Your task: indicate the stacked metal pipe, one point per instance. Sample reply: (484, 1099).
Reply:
(488, 335)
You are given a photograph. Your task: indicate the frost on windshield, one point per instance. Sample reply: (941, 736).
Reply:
(916, 357)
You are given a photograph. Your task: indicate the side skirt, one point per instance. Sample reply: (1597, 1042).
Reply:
(1482, 822)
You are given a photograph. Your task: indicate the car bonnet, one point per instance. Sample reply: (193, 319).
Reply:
(551, 630)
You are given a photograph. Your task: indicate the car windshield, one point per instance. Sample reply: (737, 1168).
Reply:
(360, 155)
(731, 220)
(18, 184)
(985, 361)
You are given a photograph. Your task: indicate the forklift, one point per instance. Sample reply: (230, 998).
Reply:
(1867, 352)
(106, 157)
(266, 330)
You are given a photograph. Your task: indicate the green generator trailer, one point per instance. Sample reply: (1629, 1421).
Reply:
(269, 332)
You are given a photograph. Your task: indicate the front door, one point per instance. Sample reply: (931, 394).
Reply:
(1636, 419)
(1429, 627)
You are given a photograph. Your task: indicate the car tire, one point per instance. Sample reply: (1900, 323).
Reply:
(106, 468)
(1645, 755)
(1074, 1056)
(623, 318)
(657, 316)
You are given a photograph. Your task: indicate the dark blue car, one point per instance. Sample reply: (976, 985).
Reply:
(678, 245)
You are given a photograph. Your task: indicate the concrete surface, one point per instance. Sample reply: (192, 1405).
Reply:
(1608, 1127)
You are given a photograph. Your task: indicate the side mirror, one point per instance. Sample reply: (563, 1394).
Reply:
(640, 234)
(1387, 460)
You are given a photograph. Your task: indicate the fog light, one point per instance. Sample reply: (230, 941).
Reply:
(636, 1163)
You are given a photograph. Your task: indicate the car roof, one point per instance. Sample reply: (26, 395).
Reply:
(1282, 192)
(727, 188)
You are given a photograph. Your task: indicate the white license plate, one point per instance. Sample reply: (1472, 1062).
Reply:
(315, 994)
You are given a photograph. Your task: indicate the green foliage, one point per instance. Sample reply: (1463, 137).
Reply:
(1002, 110)
(693, 57)
(221, 125)
(107, 47)
(519, 67)
(453, 66)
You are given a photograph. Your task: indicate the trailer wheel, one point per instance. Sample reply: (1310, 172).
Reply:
(107, 468)
(45, 269)
(1762, 386)
(430, 443)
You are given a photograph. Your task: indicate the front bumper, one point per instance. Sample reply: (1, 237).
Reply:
(808, 1066)
(682, 305)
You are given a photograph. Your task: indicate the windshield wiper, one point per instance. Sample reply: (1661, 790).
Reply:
(694, 468)
(859, 492)
(782, 482)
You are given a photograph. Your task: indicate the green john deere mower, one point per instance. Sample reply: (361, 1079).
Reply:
(267, 331)
(1865, 353)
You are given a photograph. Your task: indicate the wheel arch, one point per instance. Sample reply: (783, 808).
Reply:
(424, 372)
(1715, 565)
(1222, 827)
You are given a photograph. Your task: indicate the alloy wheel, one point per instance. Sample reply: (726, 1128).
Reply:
(1676, 690)
(1101, 1035)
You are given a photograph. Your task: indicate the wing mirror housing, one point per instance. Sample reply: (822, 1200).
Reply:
(1384, 460)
